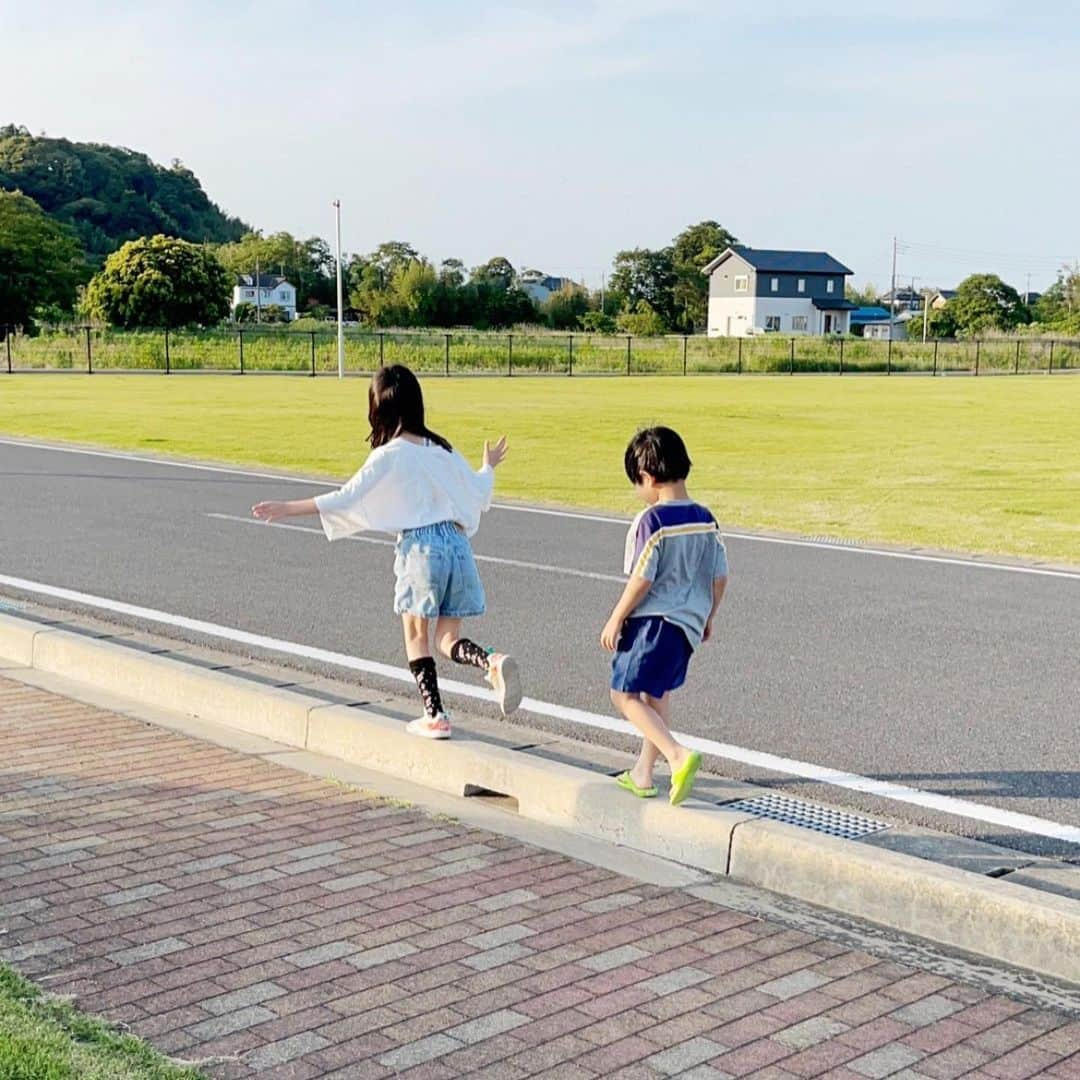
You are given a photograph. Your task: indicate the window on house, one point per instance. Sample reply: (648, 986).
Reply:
(802, 284)
(798, 322)
(774, 284)
(830, 285)
(742, 282)
(772, 322)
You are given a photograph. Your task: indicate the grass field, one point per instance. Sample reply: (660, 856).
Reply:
(46, 1039)
(988, 465)
(283, 350)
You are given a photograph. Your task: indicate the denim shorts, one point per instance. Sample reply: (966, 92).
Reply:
(436, 574)
(652, 657)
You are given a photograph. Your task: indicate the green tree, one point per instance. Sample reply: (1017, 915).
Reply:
(691, 251)
(597, 322)
(643, 321)
(452, 273)
(984, 302)
(563, 310)
(940, 323)
(160, 282)
(498, 272)
(273, 313)
(867, 296)
(387, 259)
(1059, 306)
(40, 261)
(109, 194)
(649, 276)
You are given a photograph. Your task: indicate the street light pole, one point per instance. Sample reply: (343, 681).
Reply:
(340, 311)
(892, 299)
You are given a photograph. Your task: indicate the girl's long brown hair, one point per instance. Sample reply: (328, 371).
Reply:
(396, 407)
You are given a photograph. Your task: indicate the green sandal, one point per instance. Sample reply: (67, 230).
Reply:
(682, 779)
(624, 781)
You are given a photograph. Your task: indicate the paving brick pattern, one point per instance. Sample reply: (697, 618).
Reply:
(229, 909)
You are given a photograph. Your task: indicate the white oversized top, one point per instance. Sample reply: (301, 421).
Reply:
(405, 485)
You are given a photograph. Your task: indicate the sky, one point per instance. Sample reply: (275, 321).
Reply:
(558, 133)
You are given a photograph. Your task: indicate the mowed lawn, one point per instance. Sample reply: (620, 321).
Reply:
(985, 465)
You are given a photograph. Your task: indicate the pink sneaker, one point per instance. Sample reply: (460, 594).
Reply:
(504, 675)
(430, 727)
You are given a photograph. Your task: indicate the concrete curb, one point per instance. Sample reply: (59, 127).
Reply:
(990, 917)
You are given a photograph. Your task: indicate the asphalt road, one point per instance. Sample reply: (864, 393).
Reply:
(948, 678)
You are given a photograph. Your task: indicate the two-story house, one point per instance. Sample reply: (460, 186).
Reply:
(757, 291)
(269, 289)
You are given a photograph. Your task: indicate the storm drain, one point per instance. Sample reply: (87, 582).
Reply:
(806, 815)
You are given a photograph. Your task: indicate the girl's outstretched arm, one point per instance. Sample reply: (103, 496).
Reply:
(271, 511)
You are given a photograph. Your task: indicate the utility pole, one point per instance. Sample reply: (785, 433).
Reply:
(602, 283)
(258, 294)
(340, 311)
(925, 313)
(892, 297)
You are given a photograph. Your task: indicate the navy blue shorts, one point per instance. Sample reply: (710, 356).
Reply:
(651, 658)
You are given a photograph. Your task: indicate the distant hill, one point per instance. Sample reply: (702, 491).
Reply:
(110, 195)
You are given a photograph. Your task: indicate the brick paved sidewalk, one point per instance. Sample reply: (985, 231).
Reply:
(225, 907)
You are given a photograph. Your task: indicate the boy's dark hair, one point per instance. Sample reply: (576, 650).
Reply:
(396, 407)
(658, 451)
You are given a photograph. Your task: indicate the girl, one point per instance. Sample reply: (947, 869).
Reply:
(416, 485)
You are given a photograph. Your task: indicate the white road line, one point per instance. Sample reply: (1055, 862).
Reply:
(948, 560)
(852, 781)
(835, 548)
(565, 570)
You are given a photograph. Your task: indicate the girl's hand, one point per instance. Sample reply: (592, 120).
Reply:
(609, 636)
(494, 454)
(269, 511)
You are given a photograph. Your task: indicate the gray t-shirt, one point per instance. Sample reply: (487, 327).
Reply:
(678, 547)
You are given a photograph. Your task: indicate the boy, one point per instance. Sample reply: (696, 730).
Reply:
(677, 563)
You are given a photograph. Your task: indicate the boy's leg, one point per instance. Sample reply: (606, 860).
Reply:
(433, 724)
(501, 670)
(642, 772)
(651, 726)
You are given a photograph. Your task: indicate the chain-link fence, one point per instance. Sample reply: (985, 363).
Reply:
(467, 352)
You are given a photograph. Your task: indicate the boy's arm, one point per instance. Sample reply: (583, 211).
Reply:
(637, 588)
(272, 510)
(718, 586)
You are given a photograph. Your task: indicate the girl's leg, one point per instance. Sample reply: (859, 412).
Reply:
(434, 723)
(417, 636)
(499, 669)
(642, 772)
(447, 635)
(651, 726)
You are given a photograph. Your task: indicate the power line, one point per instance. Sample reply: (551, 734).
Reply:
(981, 254)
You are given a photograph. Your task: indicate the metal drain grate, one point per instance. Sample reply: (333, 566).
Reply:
(806, 815)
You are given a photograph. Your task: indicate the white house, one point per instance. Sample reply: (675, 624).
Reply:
(270, 289)
(539, 286)
(755, 291)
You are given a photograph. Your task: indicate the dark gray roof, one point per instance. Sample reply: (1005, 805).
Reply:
(772, 261)
(266, 281)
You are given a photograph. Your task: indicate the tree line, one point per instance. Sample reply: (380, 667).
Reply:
(159, 280)
(99, 232)
(984, 304)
